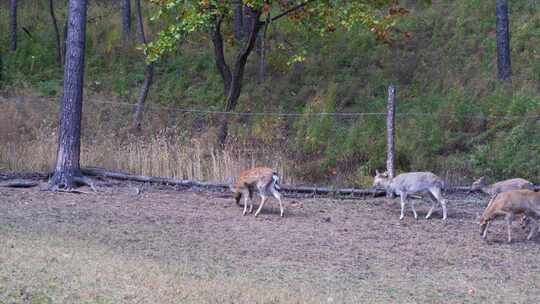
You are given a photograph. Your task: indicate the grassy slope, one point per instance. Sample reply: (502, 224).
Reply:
(447, 68)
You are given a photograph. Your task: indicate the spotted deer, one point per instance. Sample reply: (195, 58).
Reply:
(509, 204)
(406, 184)
(264, 180)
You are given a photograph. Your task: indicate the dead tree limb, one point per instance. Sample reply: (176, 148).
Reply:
(19, 183)
(326, 191)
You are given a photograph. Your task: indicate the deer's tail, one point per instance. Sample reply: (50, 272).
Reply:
(275, 181)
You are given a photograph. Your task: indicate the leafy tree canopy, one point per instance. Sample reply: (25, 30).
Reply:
(186, 17)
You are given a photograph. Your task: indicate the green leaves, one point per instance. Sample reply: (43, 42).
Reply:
(186, 17)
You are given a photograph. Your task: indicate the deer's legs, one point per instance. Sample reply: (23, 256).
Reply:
(413, 209)
(534, 228)
(433, 201)
(509, 217)
(246, 203)
(403, 197)
(437, 194)
(484, 235)
(277, 195)
(251, 190)
(263, 199)
(530, 220)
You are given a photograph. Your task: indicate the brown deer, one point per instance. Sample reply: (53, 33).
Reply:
(509, 204)
(262, 179)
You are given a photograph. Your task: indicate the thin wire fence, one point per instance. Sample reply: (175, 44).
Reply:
(292, 114)
(313, 148)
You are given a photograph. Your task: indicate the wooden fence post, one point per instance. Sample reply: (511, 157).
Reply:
(390, 156)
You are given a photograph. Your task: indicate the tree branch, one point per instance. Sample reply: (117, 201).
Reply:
(292, 9)
(241, 59)
(219, 55)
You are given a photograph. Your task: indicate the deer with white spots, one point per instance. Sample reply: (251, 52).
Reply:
(264, 180)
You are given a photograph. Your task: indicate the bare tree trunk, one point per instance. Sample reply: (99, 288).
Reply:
(232, 81)
(67, 170)
(390, 125)
(238, 20)
(126, 19)
(13, 25)
(238, 71)
(148, 74)
(262, 62)
(64, 38)
(139, 109)
(219, 55)
(247, 21)
(59, 54)
(1, 69)
(504, 68)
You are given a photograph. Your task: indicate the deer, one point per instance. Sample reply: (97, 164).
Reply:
(264, 180)
(506, 185)
(406, 184)
(522, 202)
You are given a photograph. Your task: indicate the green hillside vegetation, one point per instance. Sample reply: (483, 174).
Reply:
(462, 122)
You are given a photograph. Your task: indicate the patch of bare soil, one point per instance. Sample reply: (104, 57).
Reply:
(166, 246)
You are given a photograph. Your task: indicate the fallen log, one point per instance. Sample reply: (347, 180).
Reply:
(19, 183)
(151, 179)
(287, 189)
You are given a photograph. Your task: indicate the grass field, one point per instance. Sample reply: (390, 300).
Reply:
(167, 246)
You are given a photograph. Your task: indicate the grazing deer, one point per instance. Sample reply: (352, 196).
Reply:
(265, 180)
(509, 204)
(506, 185)
(413, 182)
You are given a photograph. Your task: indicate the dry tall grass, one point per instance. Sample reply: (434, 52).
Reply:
(28, 133)
(173, 144)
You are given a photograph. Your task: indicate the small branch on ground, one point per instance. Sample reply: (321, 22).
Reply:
(74, 191)
(18, 183)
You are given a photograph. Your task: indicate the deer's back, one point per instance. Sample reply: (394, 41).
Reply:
(516, 201)
(511, 184)
(416, 181)
(254, 175)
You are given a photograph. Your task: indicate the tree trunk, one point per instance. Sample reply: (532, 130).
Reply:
(238, 71)
(262, 62)
(504, 68)
(64, 38)
(247, 21)
(1, 69)
(67, 170)
(148, 74)
(126, 19)
(139, 109)
(13, 25)
(140, 23)
(59, 55)
(238, 20)
(390, 135)
(219, 55)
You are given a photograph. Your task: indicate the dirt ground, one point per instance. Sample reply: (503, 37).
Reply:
(167, 246)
